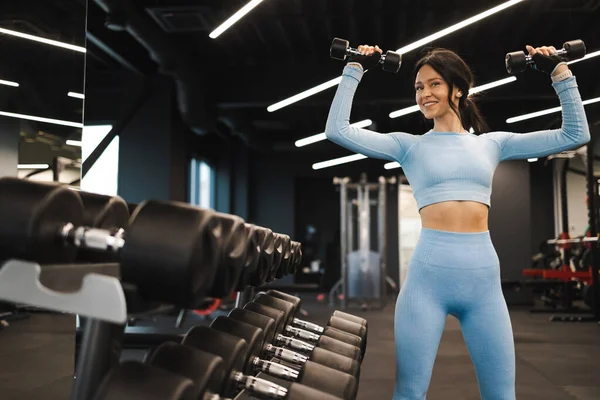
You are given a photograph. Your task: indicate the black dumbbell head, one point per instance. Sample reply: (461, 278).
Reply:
(350, 317)
(233, 350)
(285, 306)
(267, 324)
(171, 252)
(31, 216)
(206, 370)
(339, 49)
(336, 361)
(135, 381)
(329, 380)
(266, 240)
(515, 62)
(575, 49)
(392, 62)
(253, 336)
(278, 316)
(233, 255)
(250, 270)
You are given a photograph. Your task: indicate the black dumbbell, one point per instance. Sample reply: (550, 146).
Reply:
(337, 321)
(338, 328)
(284, 328)
(133, 380)
(340, 50)
(273, 329)
(169, 251)
(240, 358)
(518, 61)
(337, 381)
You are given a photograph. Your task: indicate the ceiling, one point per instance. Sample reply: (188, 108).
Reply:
(282, 48)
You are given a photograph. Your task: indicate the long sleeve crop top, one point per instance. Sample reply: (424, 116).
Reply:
(445, 166)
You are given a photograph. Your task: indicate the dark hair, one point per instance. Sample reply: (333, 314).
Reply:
(456, 73)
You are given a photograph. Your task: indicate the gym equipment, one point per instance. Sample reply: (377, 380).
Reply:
(363, 271)
(518, 61)
(280, 311)
(315, 375)
(262, 243)
(235, 354)
(340, 49)
(135, 381)
(273, 334)
(170, 250)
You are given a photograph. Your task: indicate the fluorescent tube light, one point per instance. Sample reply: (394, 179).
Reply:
(545, 112)
(587, 57)
(43, 40)
(74, 143)
(76, 95)
(234, 18)
(338, 161)
(402, 50)
(9, 83)
(33, 166)
(532, 159)
(321, 136)
(391, 165)
(476, 89)
(41, 119)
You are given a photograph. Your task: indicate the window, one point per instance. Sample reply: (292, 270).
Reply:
(103, 176)
(202, 183)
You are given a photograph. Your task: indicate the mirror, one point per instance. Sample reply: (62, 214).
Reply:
(42, 48)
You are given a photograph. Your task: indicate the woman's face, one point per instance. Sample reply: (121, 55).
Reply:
(431, 93)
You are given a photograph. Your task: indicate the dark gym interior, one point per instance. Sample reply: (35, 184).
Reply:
(133, 98)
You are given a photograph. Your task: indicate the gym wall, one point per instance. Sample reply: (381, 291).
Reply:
(9, 146)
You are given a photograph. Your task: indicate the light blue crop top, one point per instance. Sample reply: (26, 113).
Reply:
(445, 166)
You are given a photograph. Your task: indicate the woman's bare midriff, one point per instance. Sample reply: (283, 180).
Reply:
(455, 216)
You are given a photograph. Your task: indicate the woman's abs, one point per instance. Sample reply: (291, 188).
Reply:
(455, 216)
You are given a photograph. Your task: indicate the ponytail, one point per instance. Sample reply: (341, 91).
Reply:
(470, 116)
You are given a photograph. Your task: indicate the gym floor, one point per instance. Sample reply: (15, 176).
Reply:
(555, 361)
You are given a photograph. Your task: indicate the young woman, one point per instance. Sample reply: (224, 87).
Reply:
(454, 269)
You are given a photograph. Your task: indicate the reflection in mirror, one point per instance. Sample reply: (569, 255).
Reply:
(42, 48)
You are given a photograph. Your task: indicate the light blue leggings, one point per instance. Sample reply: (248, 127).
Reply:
(456, 274)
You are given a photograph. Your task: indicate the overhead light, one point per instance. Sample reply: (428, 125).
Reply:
(457, 26)
(74, 143)
(476, 89)
(305, 94)
(41, 119)
(33, 166)
(43, 40)
(338, 161)
(76, 95)
(587, 57)
(321, 136)
(234, 18)
(402, 50)
(545, 112)
(392, 165)
(9, 83)
(532, 159)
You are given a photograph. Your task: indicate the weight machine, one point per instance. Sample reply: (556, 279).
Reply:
(363, 270)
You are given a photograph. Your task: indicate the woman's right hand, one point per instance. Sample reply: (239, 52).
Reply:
(369, 56)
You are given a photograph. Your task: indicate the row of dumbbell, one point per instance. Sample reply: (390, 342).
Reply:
(218, 361)
(170, 252)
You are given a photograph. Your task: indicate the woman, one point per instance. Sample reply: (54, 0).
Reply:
(454, 269)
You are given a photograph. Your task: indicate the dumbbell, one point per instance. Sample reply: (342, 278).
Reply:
(316, 340)
(170, 250)
(338, 328)
(273, 329)
(518, 61)
(340, 49)
(336, 378)
(239, 358)
(337, 320)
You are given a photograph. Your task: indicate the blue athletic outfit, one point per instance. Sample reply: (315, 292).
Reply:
(454, 273)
